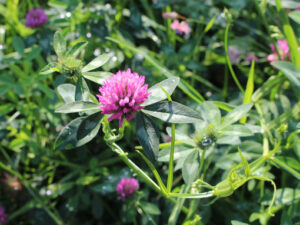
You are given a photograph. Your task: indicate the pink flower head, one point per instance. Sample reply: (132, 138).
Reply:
(250, 57)
(283, 46)
(234, 55)
(122, 94)
(284, 51)
(180, 28)
(3, 215)
(36, 18)
(297, 9)
(126, 187)
(169, 15)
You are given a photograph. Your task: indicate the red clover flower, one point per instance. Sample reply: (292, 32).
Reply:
(126, 187)
(284, 51)
(180, 27)
(122, 94)
(170, 15)
(36, 18)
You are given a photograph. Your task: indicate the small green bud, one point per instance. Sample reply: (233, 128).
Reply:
(207, 138)
(228, 15)
(223, 189)
(283, 128)
(69, 65)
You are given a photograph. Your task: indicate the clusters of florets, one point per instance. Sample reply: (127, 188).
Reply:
(126, 187)
(122, 95)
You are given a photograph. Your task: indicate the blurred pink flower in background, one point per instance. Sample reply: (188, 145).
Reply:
(180, 27)
(283, 49)
(122, 94)
(3, 215)
(297, 9)
(249, 57)
(168, 139)
(234, 55)
(170, 15)
(126, 187)
(36, 18)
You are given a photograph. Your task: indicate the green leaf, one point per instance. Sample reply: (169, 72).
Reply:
(172, 112)
(237, 130)
(97, 208)
(288, 164)
(285, 219)
(287, 4)
(79, 106)
(148, 136)
(33, 53)
(150, 208)
(77, 48)
(67, 138)
(50, 68)
(210, 113)
(6, 108)
(295, 15)
(87, 179)
(19, 45)
(236, 222)
(191, 167)
(284, 196)
(249, 88)
(235, 115)
(245, 164)
(90, 125)
(82, 92)
(267, 87)
(181, 136)
(97, 77)
(180, 152)
(290, 71)
(225, 106)
(59, 44)
(67, 92)
(209, 24)
(96, 63)
(157, 94)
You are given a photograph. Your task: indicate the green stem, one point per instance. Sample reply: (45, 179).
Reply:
(142, 174)
(202, 161)
(155, 173)
(228, 60)
(163, 145)
(193, 196)
(136, 169)
(225, 86)
(194, 203)
(171, 161)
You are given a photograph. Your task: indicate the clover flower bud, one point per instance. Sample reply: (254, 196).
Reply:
(126, 187)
